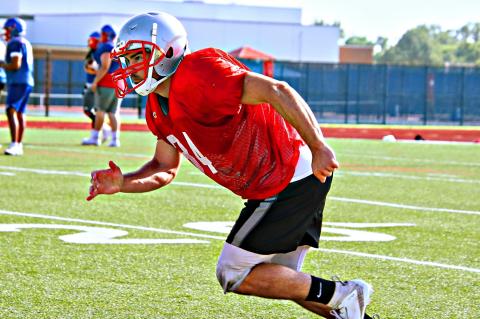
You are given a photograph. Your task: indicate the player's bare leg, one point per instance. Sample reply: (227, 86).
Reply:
(94, 138)
(114, 121)
(12, 123)
(16, 132)
(115, 125)
(99, 118)
(21, 127)
(280, 282)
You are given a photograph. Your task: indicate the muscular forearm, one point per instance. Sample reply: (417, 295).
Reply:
(290, 105)
(296, 111)
(148, 178)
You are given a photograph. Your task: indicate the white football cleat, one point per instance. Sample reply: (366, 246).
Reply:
(350, 299)
(14, 149)
(114, 143)
(106, 133)
(91, 141)
(19, 149)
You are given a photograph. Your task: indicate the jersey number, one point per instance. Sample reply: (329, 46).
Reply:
(198, 156)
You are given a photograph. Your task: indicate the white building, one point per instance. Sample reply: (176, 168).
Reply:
(276, 31)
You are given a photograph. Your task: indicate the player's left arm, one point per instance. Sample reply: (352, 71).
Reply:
(102, 70)
(258, 89)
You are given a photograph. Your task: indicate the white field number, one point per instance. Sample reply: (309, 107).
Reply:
(343, 231)
(98, 235)
(105, 235)
(197, 155)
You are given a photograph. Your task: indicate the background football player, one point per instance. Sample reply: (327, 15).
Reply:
(18, 65)
(105, 100)
(90, 66)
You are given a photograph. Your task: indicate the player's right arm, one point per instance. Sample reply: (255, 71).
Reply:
(156, 173)
(14, 65)
(14, 50)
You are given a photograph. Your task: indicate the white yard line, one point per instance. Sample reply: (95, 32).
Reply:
(345, 252)
(7, 173)
(148, 156)
(402, 206)
(85, 221)
(452, 179)
(213, 186)
(89, 150)
(408, 159)
(43, 171)
(403, 260)
(437, 142)
(430, 177)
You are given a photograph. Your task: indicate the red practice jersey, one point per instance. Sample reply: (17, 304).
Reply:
(249, 149)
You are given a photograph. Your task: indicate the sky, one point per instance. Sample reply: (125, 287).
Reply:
(374, 18)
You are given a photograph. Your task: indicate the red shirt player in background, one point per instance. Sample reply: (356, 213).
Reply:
(251, 134)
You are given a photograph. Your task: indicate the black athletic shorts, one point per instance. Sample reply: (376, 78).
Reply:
(283, 222)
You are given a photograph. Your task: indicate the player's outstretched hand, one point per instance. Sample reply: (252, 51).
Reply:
(324, 162)
(106, 181)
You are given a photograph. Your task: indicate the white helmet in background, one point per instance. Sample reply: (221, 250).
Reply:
(153, 42)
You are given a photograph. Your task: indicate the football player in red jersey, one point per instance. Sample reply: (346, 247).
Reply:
(103, 88)
(250, 133)
(90, 67)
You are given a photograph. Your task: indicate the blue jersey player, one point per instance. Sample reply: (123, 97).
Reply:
(18, 65)
(3, 75)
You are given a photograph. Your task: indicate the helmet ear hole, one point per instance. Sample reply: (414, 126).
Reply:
(169, 53)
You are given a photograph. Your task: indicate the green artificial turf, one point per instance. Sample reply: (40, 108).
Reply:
(433, 271)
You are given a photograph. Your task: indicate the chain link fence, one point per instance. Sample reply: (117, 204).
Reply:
(385, 94)
(340, 93)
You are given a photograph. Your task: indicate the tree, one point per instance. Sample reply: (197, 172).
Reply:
(463, 33)
(382, 42)
(430, 45)
(475, 30)
(468, 53)
(416, 47)
(334, 24)
(358, 41)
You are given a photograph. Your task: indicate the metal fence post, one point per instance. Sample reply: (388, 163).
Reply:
(462, 96)
(69, 84)
(385, 93)
(425, 104)
(48, 81)
(357, 115)
(307, 80)
(347, 86)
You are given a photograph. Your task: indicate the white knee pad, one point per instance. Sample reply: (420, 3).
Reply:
(234, 264)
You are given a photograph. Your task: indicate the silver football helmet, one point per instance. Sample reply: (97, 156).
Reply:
(146, 43)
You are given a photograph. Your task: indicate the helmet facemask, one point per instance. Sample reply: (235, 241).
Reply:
(7, 34)
(145, 55)
(147, 58)
(92, 43)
